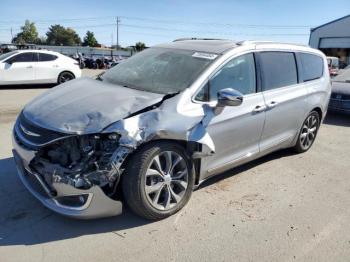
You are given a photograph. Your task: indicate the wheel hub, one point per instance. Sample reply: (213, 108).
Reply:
(166, 180)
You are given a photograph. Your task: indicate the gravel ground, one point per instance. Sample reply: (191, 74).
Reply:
(283, 207)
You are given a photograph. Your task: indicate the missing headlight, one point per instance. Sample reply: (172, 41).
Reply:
(81, 161)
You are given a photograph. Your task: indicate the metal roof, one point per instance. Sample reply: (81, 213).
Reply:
(331, 22)
(216, 46)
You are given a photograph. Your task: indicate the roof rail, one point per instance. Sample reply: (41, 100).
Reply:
(246, 42)
(195, 38)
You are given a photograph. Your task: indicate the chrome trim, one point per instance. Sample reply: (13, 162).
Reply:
(26, 141)
(233, 161)
(83, 207)
(29, 133)
(39, 179)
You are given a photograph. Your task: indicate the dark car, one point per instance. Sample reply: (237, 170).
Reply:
(340, 98)
(6, 48)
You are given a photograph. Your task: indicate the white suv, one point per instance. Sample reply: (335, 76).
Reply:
(37, 67)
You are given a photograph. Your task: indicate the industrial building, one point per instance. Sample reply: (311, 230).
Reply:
(333, 39)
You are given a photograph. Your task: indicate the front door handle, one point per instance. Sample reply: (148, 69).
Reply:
(30, 66)
(272, 104)
(259, 108)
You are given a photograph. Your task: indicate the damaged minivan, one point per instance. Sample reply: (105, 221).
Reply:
(149, 131)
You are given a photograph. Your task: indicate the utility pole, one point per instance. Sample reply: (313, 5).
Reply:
(118, 21)
(112, 46)
(11, 36)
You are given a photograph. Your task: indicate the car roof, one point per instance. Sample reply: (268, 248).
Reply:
(37, 51)
(221, 46)
(216, 46)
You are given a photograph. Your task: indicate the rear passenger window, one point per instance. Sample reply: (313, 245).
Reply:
(312, 66)
(46, 57)
(279, 69)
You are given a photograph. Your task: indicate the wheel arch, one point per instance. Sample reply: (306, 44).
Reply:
(189, 146)
(319, 112)
(65, 71)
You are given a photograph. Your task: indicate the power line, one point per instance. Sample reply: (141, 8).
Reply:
(206, 32)
(151, 20)
(219, 24)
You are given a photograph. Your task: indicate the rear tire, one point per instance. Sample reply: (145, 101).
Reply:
(158, 180)
(65, 77)
(308, 132)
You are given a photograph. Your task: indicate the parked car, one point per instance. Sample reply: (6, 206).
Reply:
(340, 98)
(5, 48)
(150, 130)
(37, 67)
(333, 65)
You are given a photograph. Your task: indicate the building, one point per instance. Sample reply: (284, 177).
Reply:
(333, 39)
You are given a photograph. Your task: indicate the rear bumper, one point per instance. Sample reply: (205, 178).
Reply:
(94, 202)
(339, 105)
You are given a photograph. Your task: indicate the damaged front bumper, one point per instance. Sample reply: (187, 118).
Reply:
(60, 197)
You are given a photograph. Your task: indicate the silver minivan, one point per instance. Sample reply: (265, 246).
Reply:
(150, 130)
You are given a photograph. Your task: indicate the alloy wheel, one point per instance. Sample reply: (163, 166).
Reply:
(166, 180)
(308, 132)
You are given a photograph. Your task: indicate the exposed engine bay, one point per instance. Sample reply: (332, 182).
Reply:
(80, 161)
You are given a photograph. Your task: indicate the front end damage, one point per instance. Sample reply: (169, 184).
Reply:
(74, 176)
(77, 174)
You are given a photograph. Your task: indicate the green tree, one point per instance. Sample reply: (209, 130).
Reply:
(139, 46)
(59, 35)
(28, 34)
(90, 40)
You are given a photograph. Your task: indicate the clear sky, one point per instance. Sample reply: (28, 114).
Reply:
(159, 21)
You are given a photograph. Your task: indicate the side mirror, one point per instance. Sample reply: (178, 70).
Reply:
(229, 97)
(8, 62)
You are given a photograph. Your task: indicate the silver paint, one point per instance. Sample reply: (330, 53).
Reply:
(230, 136)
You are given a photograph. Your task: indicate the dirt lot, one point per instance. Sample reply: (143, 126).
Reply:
(283, 207)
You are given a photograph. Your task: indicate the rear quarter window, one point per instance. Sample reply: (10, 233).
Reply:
(46, 57)
(278, 69)
(312, 66)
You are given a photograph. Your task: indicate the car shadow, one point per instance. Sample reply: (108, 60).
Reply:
(36, 86)
(337, 119)
(24, 221)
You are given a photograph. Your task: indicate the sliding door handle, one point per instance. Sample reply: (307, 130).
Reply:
(259, 108)
(272, 104)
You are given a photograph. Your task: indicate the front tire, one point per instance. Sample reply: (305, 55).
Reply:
(158, 180)
(308, 132)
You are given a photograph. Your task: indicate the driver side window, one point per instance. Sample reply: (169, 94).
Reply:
(23, 57)
(239, 74)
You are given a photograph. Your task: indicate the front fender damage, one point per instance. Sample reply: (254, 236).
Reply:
(146, 127)
(89, 161)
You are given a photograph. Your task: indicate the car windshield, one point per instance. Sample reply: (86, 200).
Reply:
(159, 70)
(343, 77)
(4, 56)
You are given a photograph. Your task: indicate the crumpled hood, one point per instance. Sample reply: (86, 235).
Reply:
(85, 106)
(341, 88)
